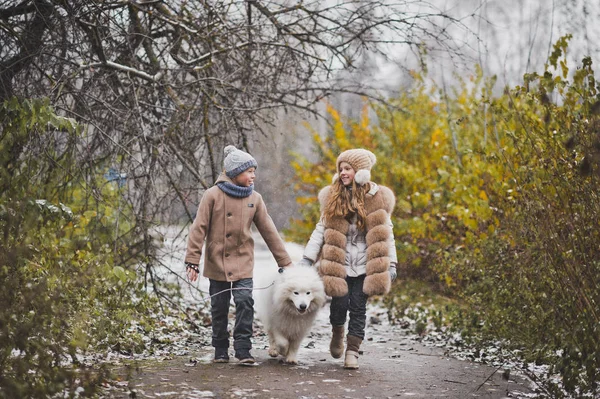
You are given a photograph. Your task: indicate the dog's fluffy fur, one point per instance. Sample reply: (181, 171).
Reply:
(288, 308)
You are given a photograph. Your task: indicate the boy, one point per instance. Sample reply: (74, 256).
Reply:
(224, 219)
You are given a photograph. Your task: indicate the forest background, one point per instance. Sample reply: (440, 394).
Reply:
(114, 115)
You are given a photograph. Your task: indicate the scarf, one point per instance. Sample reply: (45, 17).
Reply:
(234, 190)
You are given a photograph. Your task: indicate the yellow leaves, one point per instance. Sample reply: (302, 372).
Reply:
(304, 200)
(437, 137)
(364, 121)
(564, 68)
(440, 203)
(339, 133)
(420, 200)
(362, 130)
(121, 274)
(333, 113)
(444, 175)
(84, 220)
(470, 223)
(404, 206)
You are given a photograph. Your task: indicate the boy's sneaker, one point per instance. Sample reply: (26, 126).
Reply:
(221, 355)
(244, 357)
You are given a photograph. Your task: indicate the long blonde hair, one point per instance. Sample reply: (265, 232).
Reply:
(346, 201)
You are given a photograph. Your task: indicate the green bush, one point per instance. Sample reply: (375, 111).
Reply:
(497, 202)
(66, 289)
(537, 278)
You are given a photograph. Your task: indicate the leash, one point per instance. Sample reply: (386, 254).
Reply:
(204, 293)
(203, 299)
(233, 289)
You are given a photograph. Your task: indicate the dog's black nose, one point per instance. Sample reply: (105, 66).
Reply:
(303, 307)
(280, 270)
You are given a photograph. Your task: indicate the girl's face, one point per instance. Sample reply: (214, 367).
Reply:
(346, 173)
(246, 178)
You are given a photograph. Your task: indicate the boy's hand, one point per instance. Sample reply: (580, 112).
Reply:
(192, 271)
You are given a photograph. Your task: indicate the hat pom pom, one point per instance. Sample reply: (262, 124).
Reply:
(229, 149)
(335, 178)
(362, 176)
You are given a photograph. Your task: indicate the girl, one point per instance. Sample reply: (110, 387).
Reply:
(225, 216)
(355, 240)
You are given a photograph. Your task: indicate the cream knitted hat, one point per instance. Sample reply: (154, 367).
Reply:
(236, 161)
(361, 161)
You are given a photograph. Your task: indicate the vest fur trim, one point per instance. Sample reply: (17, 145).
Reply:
(333, 255)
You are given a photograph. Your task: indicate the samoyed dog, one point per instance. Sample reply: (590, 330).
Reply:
(288, 308)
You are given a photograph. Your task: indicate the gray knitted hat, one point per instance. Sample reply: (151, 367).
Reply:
(236, 161)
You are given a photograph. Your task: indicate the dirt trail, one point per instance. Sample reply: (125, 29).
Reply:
(393, 364)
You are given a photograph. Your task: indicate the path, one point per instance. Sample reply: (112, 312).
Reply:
(394, 363)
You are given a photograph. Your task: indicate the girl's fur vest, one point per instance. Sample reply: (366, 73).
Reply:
(377, 282)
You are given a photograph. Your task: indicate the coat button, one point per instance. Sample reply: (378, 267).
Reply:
(227, 255)
(228, 214)
(230, 274)
(228, 235)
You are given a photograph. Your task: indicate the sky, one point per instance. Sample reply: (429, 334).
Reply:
(508, 38)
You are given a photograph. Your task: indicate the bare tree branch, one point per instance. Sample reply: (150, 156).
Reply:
(164, 85)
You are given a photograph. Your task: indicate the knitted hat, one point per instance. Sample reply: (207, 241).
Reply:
(236, 161)
(361, 161)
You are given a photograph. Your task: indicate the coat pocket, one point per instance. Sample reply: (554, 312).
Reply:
(246, 250)
(213, 251)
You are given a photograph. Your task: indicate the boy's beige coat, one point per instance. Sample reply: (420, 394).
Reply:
(225, 222)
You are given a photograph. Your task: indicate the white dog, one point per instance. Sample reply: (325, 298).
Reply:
(288, 308)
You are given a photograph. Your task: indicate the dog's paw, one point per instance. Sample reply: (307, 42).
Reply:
(290, 362)
(273, 352)
(282, 350)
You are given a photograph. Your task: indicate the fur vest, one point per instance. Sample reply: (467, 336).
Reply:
(332, 270)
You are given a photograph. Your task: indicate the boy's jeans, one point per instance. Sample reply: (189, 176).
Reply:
(244, 313)
(355, 302)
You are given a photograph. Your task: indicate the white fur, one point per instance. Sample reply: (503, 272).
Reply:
(288, 308)
(362, 176)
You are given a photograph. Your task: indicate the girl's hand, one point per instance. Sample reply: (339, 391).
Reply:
(393, 272)
(192, 271)
(305, 262)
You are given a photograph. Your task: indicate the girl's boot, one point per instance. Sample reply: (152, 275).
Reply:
(336, 347)
(353, 346)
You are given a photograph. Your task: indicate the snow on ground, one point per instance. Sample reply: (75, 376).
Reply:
(178, 339)
(196, 294)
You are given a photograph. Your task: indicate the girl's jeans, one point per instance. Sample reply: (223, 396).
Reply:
(354, 302)
(244, 313)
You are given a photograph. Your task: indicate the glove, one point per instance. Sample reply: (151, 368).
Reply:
(393, 272)
(192, 271)
(305, 262)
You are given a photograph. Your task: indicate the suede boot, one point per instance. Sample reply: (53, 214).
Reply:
(352, 348)
(336, 347)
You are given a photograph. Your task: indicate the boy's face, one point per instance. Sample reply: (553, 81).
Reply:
(246, 178)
